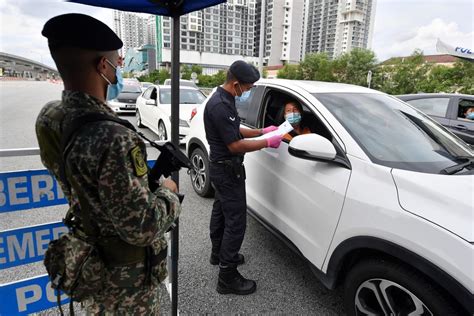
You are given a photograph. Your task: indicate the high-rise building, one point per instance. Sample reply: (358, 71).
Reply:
(282, 32)
(132, 29)
(213, 37)
(337, 26)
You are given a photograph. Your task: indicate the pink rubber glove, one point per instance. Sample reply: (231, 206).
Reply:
(274, 141)
(269, 129)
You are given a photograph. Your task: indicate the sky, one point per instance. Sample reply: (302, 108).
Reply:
(400, 27)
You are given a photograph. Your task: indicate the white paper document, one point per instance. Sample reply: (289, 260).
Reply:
(283, 129)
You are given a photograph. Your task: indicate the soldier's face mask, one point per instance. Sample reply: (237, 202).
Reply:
(113, 89)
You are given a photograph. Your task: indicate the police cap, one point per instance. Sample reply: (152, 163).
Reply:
(81, 31)
(244, 72)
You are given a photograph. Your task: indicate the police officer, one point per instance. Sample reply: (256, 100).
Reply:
(106, 174)
(228, 143)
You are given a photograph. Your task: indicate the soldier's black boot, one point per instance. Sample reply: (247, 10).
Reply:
(214, 259)
(232, 282)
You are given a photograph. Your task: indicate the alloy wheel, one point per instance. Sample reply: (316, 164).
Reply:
(384, 297)
(161, 131)
(198, 173)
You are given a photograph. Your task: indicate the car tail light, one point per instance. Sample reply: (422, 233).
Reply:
(193, 113)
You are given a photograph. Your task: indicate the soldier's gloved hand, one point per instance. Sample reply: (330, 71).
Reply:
(274, 141)
(269, 129)
(170, 184)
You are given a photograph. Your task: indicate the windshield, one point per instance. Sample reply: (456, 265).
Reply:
(131, 89)
(395, 135)
(186, 96)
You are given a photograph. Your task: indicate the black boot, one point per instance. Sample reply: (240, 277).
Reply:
(214, 259)
(232, 282)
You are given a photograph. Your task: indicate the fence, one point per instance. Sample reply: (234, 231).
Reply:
(25, 190)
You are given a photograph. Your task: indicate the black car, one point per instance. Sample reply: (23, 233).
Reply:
(448, 109)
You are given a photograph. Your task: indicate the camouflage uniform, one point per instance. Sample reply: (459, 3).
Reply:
(106, 160)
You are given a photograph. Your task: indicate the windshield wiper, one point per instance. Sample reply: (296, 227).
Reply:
(458, 167)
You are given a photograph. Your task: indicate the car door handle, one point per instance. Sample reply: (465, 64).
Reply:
(461, 127)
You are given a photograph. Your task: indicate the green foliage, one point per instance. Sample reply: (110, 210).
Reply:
(290, 72)
(186, 71)
(212, 81)
(156, 76)
(403, 76)
(353, 67)
(317, 67)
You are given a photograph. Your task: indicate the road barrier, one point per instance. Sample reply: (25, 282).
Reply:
(19, 191)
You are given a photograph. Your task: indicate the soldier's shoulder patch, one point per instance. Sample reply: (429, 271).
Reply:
(139, 164)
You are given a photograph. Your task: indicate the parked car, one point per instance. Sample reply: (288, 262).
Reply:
(447, 109)
(378, 198)
(154, 109)
(182, 82)
(126, 100)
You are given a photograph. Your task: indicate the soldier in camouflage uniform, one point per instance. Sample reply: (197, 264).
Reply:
(106, 161)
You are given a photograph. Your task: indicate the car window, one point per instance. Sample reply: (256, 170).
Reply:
(431, 106)
(131, 89)
(147, 93)
(393, 134)
(273, 113)
(186, 96)
(465, 107)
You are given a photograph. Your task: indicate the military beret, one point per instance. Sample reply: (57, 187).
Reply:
(81, 31)
(244, 72)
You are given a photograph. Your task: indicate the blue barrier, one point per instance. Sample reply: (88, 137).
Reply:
(28, 244)
(28, 296)
(23, 190)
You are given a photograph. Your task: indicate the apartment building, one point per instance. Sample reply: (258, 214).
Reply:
(132, 28)
(337, 26)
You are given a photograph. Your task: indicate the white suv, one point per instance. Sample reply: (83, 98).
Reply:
(378, 198)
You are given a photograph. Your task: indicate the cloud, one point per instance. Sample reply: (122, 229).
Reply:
(22, 22)
(424, 38)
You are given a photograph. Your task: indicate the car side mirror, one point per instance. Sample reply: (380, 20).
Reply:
(312, 147)
(150, 102)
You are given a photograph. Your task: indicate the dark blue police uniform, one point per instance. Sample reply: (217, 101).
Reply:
(227, 174)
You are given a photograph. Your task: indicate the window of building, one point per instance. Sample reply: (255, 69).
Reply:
(167, 45)
(192, 47)
(184, 46)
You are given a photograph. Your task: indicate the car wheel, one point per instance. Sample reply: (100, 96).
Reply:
(200, 173)
(381, 287)
(162, 135)
(138, 119)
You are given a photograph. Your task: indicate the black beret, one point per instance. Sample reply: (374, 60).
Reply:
(81, 31)
(244, 72)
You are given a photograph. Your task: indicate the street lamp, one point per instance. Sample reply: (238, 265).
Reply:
(369, 78)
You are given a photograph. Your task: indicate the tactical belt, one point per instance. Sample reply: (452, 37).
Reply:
(115, 252)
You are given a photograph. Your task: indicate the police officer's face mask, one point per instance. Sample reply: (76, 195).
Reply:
(113, 89)
(243, 96)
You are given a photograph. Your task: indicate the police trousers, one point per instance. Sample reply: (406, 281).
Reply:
(229, 212)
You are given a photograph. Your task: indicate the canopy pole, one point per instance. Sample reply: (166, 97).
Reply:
(175, 65)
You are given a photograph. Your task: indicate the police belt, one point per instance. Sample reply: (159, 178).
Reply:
(237, 160)
(115, 252)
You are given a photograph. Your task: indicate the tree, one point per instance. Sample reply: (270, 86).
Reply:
(352, 67)
(156, 76)
(404, 76)
(317, 67)
(290, 72)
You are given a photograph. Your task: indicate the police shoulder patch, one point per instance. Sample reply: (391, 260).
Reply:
(138, 161)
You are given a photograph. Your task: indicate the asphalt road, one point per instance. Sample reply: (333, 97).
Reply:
(285, 283)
